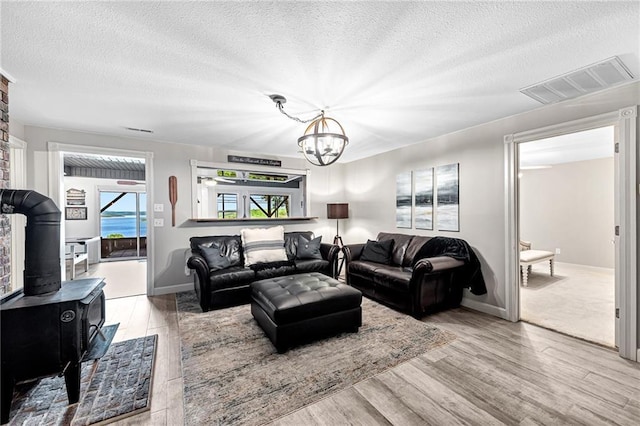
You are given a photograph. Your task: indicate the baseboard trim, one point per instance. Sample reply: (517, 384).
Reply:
(172, 289)
(485, 308)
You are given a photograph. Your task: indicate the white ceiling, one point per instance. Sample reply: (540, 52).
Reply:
(392, 73)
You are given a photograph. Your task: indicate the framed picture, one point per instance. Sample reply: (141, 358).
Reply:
(448, 210)
(424, 199)
(76, 197)
(403, 200)
(75, 213)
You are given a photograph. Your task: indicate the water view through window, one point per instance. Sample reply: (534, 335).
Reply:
(120, 217)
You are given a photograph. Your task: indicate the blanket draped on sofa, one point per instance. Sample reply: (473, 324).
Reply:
(471, 273)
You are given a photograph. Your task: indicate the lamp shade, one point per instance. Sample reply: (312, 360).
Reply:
(338, 211)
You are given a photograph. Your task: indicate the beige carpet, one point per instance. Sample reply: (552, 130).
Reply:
(578, 300)
(233, 375)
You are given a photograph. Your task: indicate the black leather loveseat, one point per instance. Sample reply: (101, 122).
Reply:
(219, 287)
(415, 274)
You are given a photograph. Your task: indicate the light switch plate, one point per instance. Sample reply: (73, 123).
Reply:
(158, 222)
(158, 207)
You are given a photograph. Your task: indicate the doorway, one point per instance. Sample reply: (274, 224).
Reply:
(105, 169)
(566, 225)
(108, 229)
(624, 122)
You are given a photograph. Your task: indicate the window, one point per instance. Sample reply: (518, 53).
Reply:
(244, 192)
(227, 206)
(269, 205)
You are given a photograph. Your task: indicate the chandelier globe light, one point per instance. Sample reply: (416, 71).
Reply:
(323, 141)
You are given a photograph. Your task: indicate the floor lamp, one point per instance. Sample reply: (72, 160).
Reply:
(338, 211)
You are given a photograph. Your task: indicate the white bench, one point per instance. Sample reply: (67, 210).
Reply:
(76, 258)
(530, 257)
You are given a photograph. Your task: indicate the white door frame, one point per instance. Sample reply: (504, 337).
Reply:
(625, 122)
(18, 180)
(56, 190)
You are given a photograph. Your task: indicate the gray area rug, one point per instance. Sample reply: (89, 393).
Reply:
(233, 375)
(115, 386)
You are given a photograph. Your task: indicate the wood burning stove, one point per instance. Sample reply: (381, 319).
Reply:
(47, 328)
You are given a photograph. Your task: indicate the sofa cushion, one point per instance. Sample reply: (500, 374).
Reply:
(229, 245)
(232, 277)
(215, 258)
(263, 245)
(377, 251)
(393, 277)
(413, 248)
(309, 249)
(312, 265)
(291, 242)
(362, 268)
(400, 243)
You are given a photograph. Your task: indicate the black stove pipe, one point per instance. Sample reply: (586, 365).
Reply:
(42, 243)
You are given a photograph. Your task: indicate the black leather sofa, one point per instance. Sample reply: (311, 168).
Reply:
(414, 280)
(219, 288)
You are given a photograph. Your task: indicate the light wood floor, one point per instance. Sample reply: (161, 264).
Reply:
(143, 316)
(495, 372)
(123, 278)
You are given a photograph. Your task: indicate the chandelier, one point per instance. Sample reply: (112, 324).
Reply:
(324, 139)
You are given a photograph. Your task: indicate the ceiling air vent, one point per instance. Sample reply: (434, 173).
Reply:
(134, 129)
(592, 78)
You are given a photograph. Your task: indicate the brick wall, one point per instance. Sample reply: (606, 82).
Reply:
(5, 225)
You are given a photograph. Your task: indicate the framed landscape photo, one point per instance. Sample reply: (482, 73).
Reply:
(403, 200)
(424, 199)
(448, 203)
(75, 213)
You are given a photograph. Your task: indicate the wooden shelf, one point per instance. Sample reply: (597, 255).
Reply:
(282, 219)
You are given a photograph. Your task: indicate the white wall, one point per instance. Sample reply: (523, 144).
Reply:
(370, 183)
(16, 128)
(91, 226)
(570, 206)
(170, 159)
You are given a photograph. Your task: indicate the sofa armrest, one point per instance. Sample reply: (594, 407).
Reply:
(329, 253)
(352, 252)
(431, 284)
(437, 264)
(198, 264)
(201, 280)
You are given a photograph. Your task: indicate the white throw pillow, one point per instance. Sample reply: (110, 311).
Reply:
(263, 245)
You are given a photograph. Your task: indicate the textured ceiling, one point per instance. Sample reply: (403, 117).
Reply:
(392, 73)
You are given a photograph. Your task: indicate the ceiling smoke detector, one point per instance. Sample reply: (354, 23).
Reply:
(602, 75)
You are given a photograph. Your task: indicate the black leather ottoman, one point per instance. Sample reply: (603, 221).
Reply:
(298, 308)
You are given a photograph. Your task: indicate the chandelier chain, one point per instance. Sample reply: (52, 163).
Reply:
(281, 108)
